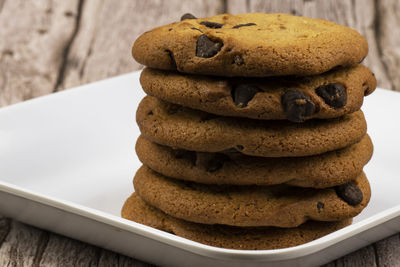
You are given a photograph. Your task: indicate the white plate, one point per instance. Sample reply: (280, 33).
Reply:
(67, 161)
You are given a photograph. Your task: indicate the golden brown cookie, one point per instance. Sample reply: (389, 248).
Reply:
(179, 127)
(255, 238)
(320, 171)
(279, 205)
(251, 45)
(332, 94)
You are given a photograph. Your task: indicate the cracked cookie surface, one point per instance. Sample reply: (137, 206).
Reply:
(250, 45)
(249, 206)
(262, 98)
(179, 127)
(249, 238)
(320, 171)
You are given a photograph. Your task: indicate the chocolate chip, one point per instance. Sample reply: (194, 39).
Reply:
(171, 55)
(238, 60)
(212, 25)
(150, 112)
(191, 156)
(334, 94)
(207, 48)
(320, 206)
(216, 162)
(243, 25)
(188, 16)
(243, 93)
(350, 193)
(297, 105)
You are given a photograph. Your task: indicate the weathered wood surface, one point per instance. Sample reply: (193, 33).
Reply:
(48, 45)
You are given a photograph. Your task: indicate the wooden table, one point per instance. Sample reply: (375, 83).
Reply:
(47, 46)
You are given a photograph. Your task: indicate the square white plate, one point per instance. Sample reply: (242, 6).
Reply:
(67, 162)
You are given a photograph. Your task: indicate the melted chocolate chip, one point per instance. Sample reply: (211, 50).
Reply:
(243, 25)
(243, 93)
(238, 60)
(171, 55)
(207, 48)
(150, 112)
(216, 162)
(212, 25)
(320, 206)
(297, 105)
(191, 156)
(334, 94)
(350, 193)
(188, 16)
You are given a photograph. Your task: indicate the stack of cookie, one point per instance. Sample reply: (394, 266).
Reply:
(252, 134)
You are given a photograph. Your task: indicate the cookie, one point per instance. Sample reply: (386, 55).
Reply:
(321, 171)
(224, 236)
(332, 94)
(278, 205)
(251, 45)
(179, 127)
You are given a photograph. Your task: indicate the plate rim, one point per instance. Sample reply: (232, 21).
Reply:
(198, 248)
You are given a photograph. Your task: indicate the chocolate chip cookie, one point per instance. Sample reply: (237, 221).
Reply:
(250, 45)
(179, 127)
(255, 238)
(279, 205)
(320, 171)
(329, 95)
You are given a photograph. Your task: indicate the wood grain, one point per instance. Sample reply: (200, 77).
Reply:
(21, 245)
(61, 251)
(109, 258)
(48, 45)
(387, 251)
(387, 31)
(32, 48)
(100, 50)
(364, 257)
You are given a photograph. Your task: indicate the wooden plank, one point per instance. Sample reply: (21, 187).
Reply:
(4, 228)
(358, 14)
(28, 59)
(1, 4)
(387, 33)
(32, 48)
(388, 251)
(21, 247)
(102, 47)
(63, 251)
(109, 258)
(237, 6)
(364, 257)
